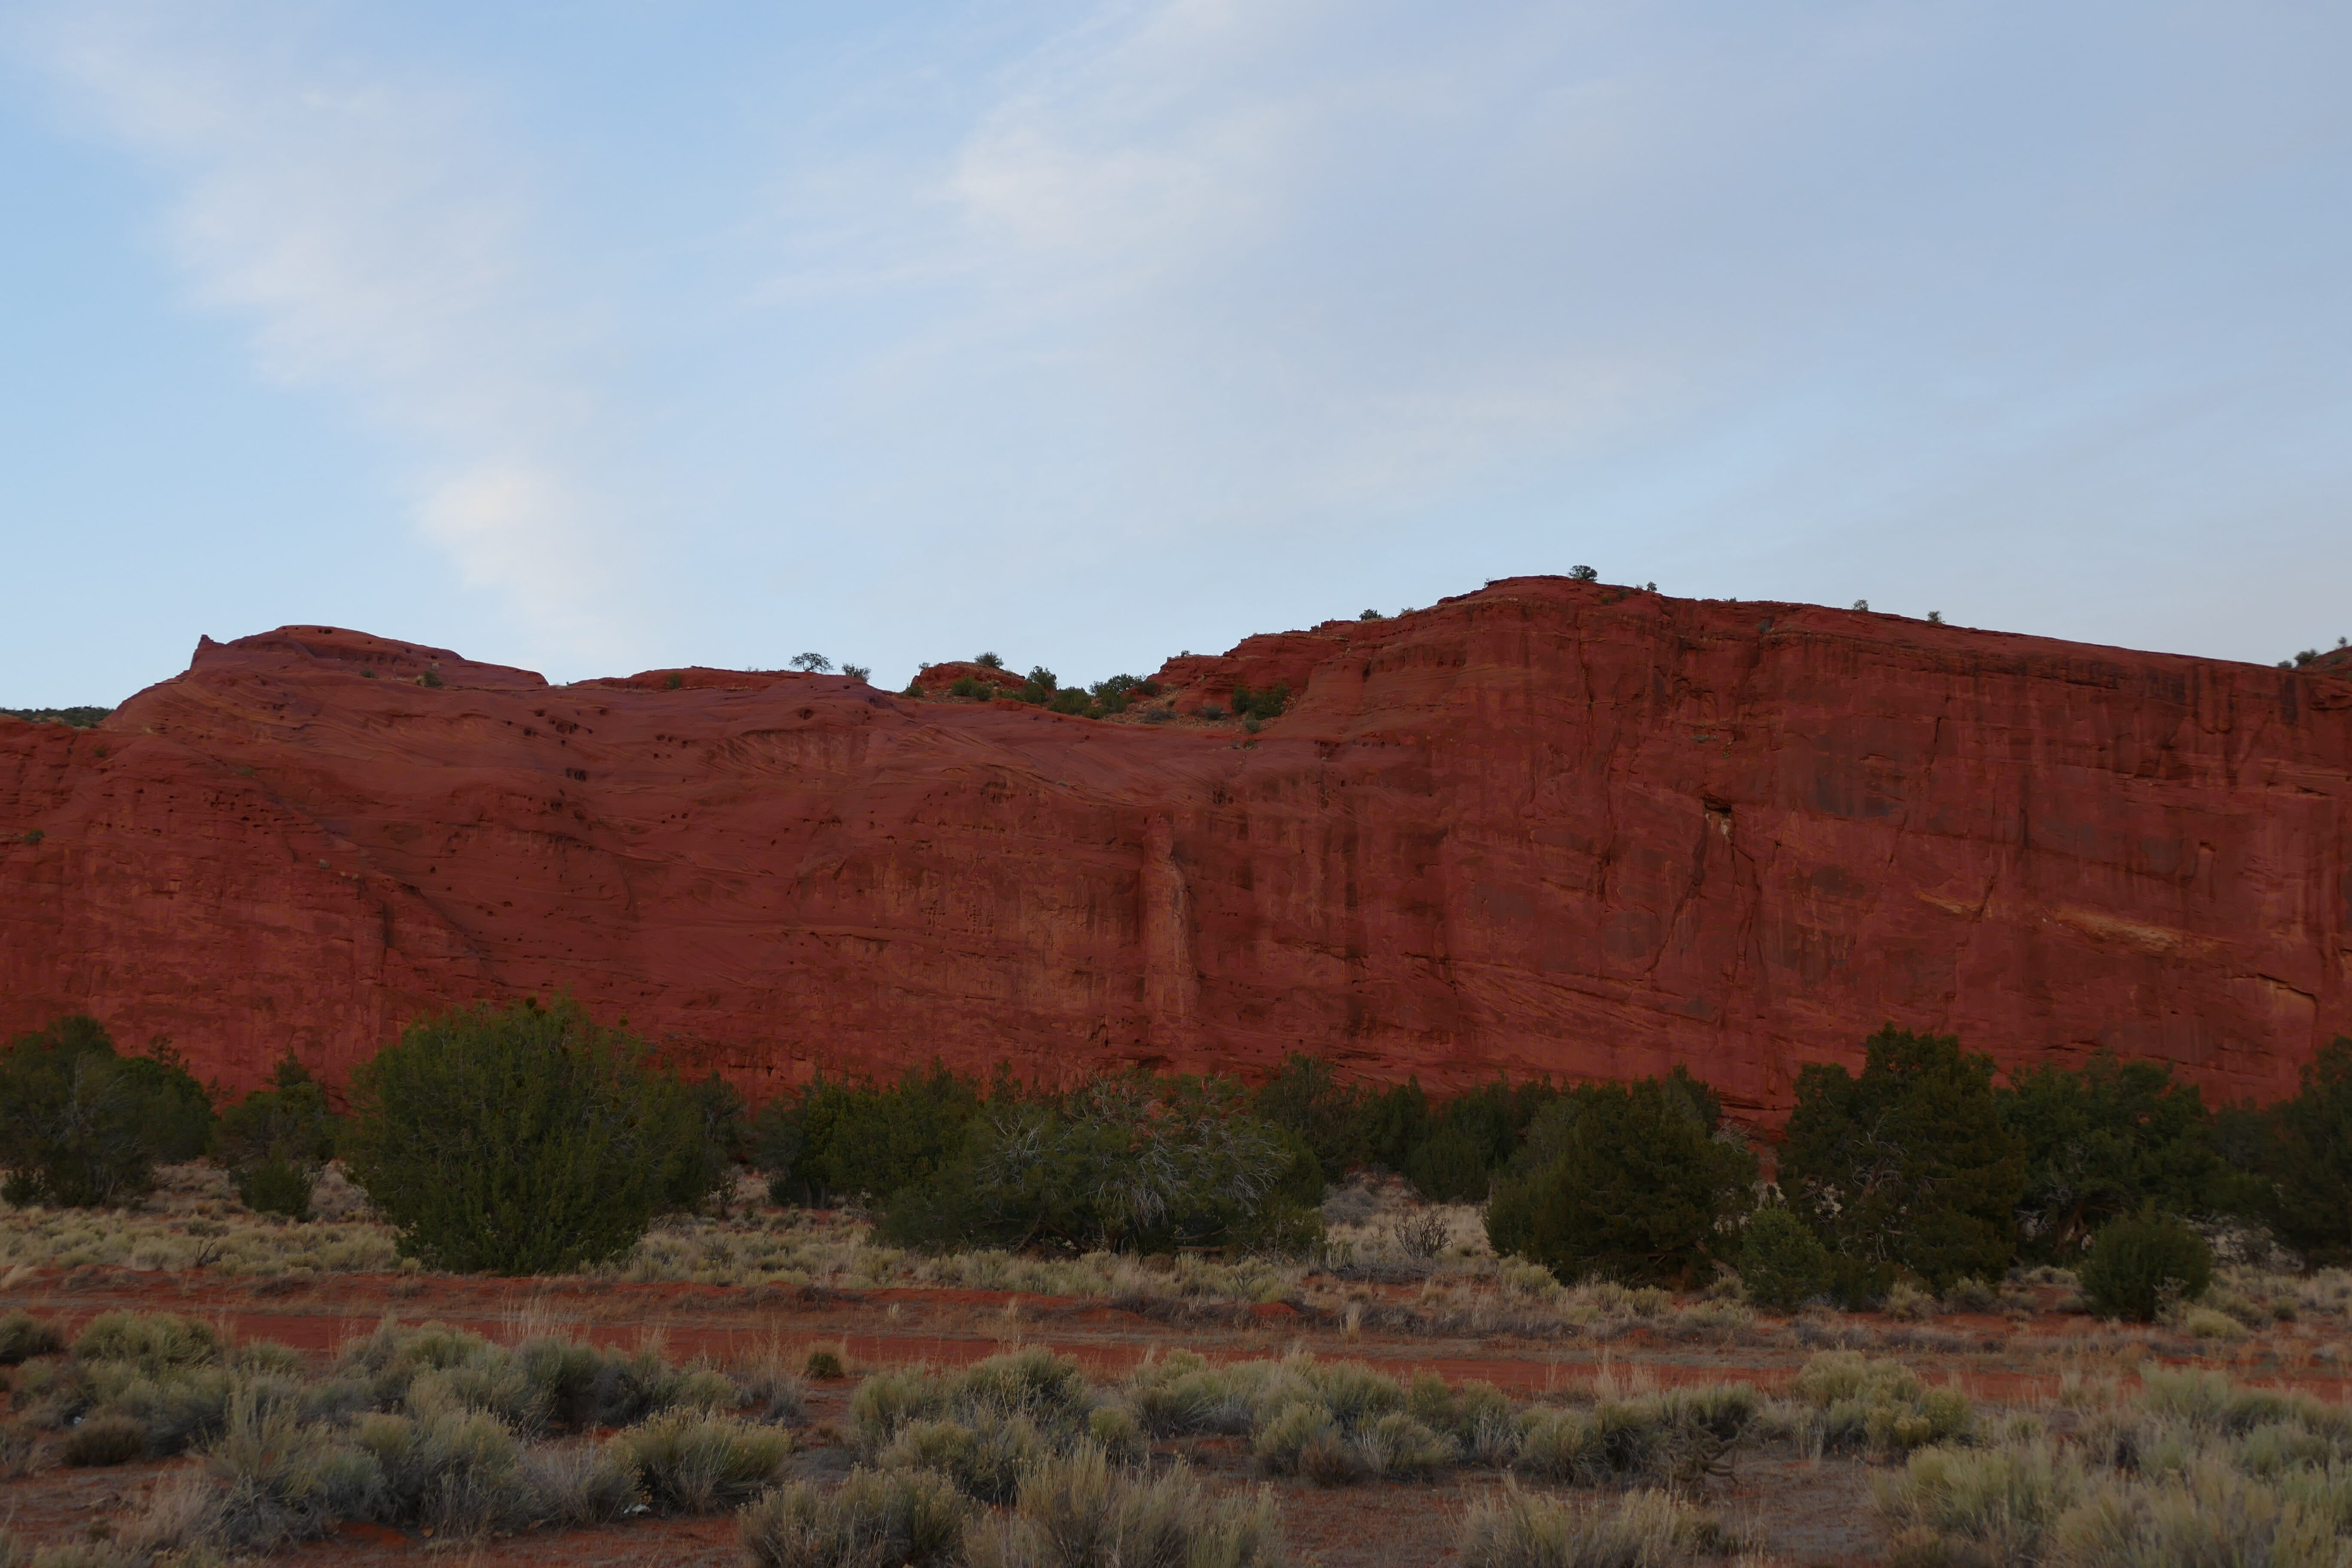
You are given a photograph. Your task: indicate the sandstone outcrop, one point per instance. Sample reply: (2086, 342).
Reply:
(1547, 828)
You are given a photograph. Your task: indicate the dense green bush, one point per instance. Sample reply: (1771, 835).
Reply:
(717, 1106)
(275, 1138)
(83, 1127)
(1120, 691)
(2305, 1156)
(1307, 1097)
(1266, 704)
(1043, 689)
(1906, 1166)
(1635, 1184)
(520, 1140)
(1128, 1161)
(1451, 1151)
(1782, 1264)
(838, 1139)
(2104, 1142)
(2137, 1266)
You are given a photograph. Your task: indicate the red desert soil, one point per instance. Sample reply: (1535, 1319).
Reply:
(1549, 827)
(1802, 1514)
(1812, 1510)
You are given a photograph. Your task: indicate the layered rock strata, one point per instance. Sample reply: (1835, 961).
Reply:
(1550, 828)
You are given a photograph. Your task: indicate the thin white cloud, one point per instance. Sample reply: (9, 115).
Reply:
(368, 225)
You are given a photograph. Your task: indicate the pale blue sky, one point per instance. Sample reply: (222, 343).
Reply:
(605, 335)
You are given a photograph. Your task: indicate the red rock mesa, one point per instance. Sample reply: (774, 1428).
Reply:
(1547, 827)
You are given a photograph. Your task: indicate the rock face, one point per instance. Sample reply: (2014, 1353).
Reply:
(1547, 827)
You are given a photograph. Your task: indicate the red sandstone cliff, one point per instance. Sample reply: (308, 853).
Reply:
(1549, 827)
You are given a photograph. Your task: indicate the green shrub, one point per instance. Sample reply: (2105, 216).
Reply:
(1906, 1166)
(1637, 1186)
(104, 1440)
(275, 1185)
(2305, 1157)
(288, 1119)
(2104, 1142)
(1268, 704)
(2138, 1266)
(83, 1127)
(824, 1367)
(1449, 1167)
(1306, 1099)
(874, 1519)
(24, 1336)
(1125, 1161)
(691, 1462)
(520, 1140)
(839, 1140)
(1782, 1264)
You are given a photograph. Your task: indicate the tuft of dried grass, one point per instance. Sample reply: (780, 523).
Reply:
(1515, 1528)
(1083, 1512)
(874, 1519)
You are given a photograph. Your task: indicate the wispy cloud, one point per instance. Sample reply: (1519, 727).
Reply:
(379, 239)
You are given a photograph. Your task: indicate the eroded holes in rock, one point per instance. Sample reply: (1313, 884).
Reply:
(1718, 816)
(808, 712)
(528, 731)
(579, 773)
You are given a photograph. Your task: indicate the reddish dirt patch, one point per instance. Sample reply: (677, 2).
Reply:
(1801, 1514)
